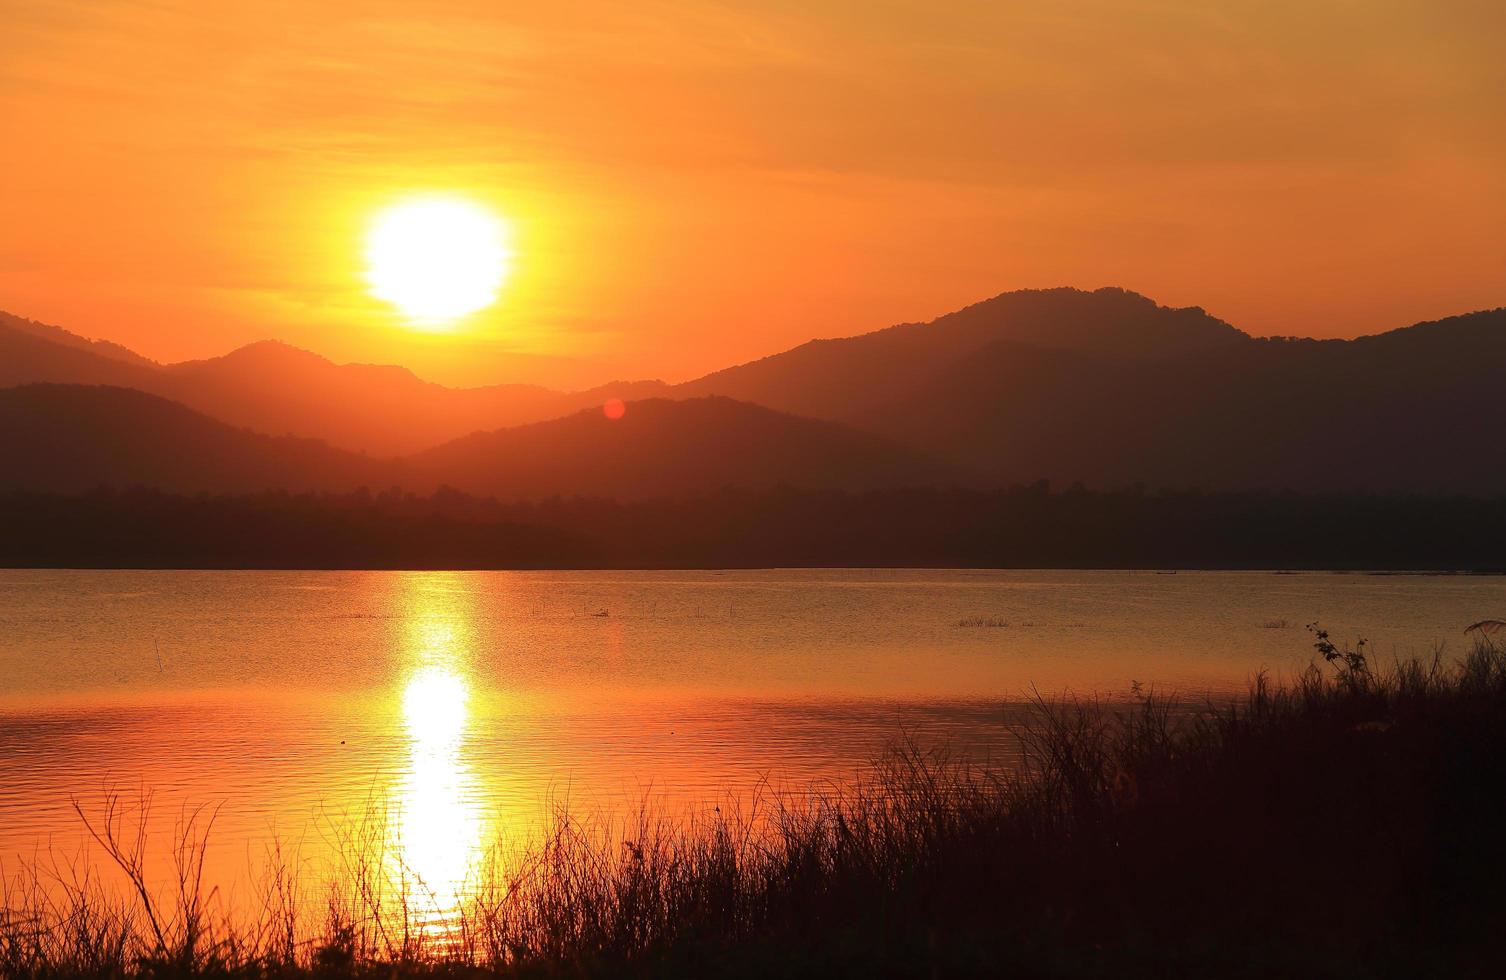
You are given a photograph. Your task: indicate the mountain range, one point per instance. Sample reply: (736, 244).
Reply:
(381, 410)
(1106, 388)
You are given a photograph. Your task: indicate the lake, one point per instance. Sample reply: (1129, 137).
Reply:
(459, 705)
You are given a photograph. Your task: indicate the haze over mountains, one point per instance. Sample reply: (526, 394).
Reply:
(382, 410)
(1103, 387)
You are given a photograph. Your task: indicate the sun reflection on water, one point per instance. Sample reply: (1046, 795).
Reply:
(439, 822)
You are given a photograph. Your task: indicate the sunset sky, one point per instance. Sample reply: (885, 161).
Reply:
(687, 185)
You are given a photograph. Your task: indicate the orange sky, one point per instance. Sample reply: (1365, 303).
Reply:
(694, 184)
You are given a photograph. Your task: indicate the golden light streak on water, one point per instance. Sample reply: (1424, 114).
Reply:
(439, 824)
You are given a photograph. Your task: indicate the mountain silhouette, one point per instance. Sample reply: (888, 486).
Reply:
(58, 335)
(28, 356)
(1121, 391)
(664, 448)
(1414, 410)
(847, 379)
(272, 387)
(70, 438)
(380, 409)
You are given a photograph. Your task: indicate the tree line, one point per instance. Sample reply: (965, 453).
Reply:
(1019, 527)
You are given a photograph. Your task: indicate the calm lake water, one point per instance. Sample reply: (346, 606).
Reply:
(460, 703)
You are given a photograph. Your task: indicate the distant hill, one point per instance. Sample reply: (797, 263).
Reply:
(58, 335)
(849, 378)
(272, 387)
(1127, 392)
(663, 448)
(1415, 410)
(70, 438)
(28, 356)
(380, 409)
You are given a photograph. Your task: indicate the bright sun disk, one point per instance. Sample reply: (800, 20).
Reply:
(437, 258)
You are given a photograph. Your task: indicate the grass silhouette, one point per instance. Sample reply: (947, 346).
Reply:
(1346, 823)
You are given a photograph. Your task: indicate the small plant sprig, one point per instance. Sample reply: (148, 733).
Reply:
(1351, 660)
(1486, 627)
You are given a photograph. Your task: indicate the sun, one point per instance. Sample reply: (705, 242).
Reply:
(437, 258)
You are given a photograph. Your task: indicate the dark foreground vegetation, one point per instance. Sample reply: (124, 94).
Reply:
(1021, 527)
(1347, 825)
